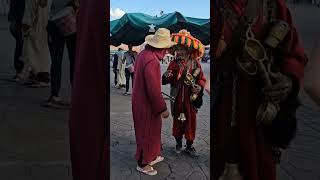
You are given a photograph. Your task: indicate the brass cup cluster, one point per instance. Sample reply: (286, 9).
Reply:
(190, 80)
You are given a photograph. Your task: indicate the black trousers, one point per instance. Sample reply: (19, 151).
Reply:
(128, 75)
(179, 141)
(115, 77)
(57, 43)
(18, 64)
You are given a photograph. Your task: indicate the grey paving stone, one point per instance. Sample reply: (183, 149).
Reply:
(50, 173)
(181, 168)
(163, 169)
(14, 172)
(196, 175)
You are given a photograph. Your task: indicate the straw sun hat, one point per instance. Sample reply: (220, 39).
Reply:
(161, 39)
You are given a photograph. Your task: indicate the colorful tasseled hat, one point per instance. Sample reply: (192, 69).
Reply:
(185, 38)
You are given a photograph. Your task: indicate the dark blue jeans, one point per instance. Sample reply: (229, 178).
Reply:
(57, 43)
(128, 75)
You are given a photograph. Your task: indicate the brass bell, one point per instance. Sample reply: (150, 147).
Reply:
(231, 172)
(182, 117)
(193, 97)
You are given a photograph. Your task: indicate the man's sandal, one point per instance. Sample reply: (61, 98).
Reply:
(157, 160)
(150, 172)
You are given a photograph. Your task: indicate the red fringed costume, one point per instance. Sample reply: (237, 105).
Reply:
(187, 128)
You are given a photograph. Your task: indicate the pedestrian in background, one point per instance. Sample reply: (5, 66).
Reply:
(121, 79)
(35, 49)
(129, 58)
(15, 16)
(62, 31)
(115, 67)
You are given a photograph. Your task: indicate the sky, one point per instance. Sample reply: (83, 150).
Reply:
(189, 8)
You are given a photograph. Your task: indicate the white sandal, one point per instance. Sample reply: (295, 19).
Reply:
(157, 160)
(150, 172)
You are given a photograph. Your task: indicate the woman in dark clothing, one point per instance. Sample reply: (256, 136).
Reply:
(15, 16)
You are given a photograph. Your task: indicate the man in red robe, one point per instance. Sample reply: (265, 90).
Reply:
(254, 155)
(187, 53)
(89, 106)
(148, 105)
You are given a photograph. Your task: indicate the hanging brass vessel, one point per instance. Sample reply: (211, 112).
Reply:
(190, 80)
(231, 172)
(277, 33)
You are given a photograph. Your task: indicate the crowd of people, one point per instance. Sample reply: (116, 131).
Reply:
(41, 29)
(123, 68)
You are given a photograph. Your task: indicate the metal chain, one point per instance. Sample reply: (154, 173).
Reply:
(270, 9)
(234, 99)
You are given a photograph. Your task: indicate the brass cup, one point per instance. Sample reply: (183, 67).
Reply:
(193, 97)
(196, 72)
(247, 66)
(231, 172)
(182, 117)
(189, 80)
(267, 112)
(277, 33)
(253, 52)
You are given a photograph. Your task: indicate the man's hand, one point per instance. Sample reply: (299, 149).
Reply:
(279, 91)
(165, 114)
(168, 74)
(196, 89)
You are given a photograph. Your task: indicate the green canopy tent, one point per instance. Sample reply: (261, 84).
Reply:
(132, 28)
